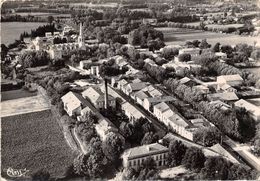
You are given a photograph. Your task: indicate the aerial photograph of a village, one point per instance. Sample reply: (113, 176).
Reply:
(130, 90)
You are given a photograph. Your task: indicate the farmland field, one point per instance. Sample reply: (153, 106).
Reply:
(10, 31)
(42, 14)
(24, 105)
(16, 94)
(34, 141)
(177, 36)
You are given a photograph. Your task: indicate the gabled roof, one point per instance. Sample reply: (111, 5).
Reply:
(161, 106)
(160, 99)
(122, 82)
(141, 95)
(235, 77)
(225, 96)
(71, 100)
(184, 80)
(248, 106)
(131, 109)
(225, 86)
(95, 94)
(137, 86)
(177, 119)
(146, 150)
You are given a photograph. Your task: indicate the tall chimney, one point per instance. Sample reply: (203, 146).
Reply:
(106, 94)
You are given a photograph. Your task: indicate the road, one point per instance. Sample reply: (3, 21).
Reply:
(244, 151)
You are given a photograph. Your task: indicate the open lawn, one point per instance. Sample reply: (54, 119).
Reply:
(16, 94)
(178, 36)
(34, 141)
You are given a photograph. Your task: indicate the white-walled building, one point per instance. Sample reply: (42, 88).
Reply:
(131, 112)
(72, 104)
(97, 97)
(135, 157)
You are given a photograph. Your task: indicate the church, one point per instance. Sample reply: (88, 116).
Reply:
(56, 50)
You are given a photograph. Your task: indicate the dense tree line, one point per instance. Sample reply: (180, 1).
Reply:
(212, 168)
(143, 35)
(34, 58)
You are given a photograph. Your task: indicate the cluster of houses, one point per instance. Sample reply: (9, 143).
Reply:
(157, 103)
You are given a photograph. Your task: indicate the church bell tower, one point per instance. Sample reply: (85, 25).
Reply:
(81, 39)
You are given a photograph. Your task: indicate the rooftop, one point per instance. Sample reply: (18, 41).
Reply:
(231, 77)
(225, 96)
(160, 99)
(146, 150)
(71, 100)
(161, 106)
(248, 106)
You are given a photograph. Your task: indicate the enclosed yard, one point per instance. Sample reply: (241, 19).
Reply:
(34, 141)
(177, 36)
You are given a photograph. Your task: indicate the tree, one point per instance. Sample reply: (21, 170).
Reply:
(113, 146)
(215, 168)
(193, 159)
(149, 138)
(216, 47)
(256, 54)
(208, 136)
(50, 19)
(185, 57)
(204, 44)
(176, 153)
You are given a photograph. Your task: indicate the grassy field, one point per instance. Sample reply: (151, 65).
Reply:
(16, 94)
(34, 141)
(177, 36)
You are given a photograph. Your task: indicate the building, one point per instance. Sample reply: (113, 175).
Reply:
(232, 80)
(192, 51)
(134, 87)
(221, 105)
(221, 55)
(225, 96)
(149, 102)
(72, 104)
(150, 21)
(227, 88)
(56, 50)
(201, 88)
(251, 108)
(135, 157)
(140, 96)
(121, 84)
(97, 97)
(159, 109)
(131, 112)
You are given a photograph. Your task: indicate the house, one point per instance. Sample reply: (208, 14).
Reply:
(221, 105)
(232, 80)
(201, 88)
(94, 70)
(159, 109)
(131, 112)
(121, 84)
(192, 51)
(83, 114)
(84, 63)
(221, 55)
(135, 157)
(187, 81)
(150, 21)
(211, 84)
(152, 91)
(149, 102)
(251, 108)
(133, 87)
(227, 88)
(97, 97)
(225, 96)
(140, 96)
(72, 104)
